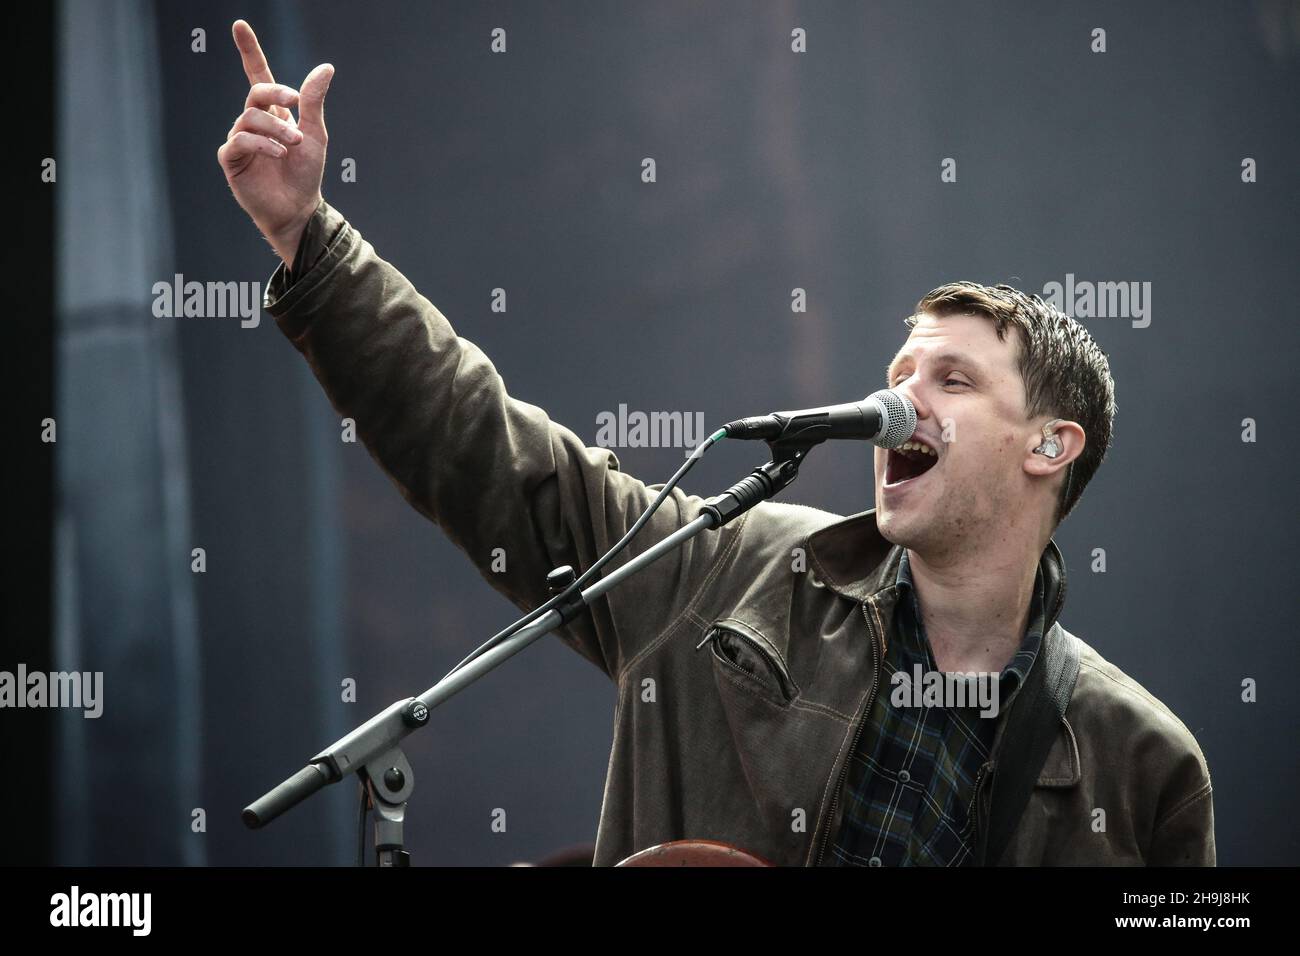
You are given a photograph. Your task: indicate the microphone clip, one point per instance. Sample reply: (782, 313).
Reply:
(759, 485)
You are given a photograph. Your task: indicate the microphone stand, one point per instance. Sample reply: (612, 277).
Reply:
(373, 751)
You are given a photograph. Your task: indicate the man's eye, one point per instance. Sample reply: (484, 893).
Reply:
(898, 380)
(953, 381)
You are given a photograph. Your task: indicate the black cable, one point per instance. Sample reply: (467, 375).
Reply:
(602, 561)
(361, 828)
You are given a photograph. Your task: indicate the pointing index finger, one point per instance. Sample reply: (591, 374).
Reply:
(250, 52)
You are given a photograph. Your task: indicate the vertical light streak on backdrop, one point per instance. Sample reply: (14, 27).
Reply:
(128, 780)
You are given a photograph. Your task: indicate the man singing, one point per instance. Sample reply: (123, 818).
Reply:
(775, 676)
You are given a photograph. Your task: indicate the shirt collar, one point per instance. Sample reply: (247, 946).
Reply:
(852, 558)
(1013, 675)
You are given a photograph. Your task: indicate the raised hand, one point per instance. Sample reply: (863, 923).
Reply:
(273, 163)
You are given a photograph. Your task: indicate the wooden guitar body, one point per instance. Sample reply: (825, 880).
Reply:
(694, 853)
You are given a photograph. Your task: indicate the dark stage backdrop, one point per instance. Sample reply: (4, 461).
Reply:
(910, 145)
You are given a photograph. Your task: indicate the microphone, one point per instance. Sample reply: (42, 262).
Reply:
(885, 418)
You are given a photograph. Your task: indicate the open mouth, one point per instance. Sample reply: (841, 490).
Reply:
(908, 462)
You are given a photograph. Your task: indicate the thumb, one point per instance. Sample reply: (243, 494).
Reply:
(311, 99)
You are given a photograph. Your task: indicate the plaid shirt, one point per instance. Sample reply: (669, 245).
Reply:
(912, 782)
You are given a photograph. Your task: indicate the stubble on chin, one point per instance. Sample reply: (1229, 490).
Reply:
(893, 527)
(921, 532)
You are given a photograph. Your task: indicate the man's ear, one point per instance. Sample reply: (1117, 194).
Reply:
(1052, 450)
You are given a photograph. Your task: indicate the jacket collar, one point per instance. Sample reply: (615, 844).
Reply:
(853, 559)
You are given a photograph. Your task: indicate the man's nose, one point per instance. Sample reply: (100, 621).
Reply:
(909, 391)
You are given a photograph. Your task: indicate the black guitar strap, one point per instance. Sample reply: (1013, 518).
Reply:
(1033, 722)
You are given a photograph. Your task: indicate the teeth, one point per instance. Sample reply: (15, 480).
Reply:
(917, 446)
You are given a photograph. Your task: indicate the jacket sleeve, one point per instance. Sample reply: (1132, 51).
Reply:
(492, 471)
(1185, 834)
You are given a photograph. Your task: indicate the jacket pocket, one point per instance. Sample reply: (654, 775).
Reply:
(751, 660)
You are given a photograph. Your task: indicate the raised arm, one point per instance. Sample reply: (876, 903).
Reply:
(492, 471)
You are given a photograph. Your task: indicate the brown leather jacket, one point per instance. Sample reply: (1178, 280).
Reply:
(746, 660)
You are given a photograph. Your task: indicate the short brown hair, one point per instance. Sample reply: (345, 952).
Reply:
(1066, 374)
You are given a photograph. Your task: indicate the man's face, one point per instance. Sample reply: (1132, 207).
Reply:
(970, 408)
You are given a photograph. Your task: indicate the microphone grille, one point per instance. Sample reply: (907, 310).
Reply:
(898, 418)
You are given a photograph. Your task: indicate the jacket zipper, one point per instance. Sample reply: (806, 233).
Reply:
(972, 815)
(857, 734)
(779, 671)
(825, 839)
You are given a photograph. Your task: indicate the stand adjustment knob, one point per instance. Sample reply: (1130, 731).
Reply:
(560, 578)
(394, 779)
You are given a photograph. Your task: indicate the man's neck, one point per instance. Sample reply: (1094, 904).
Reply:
(975, 609)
